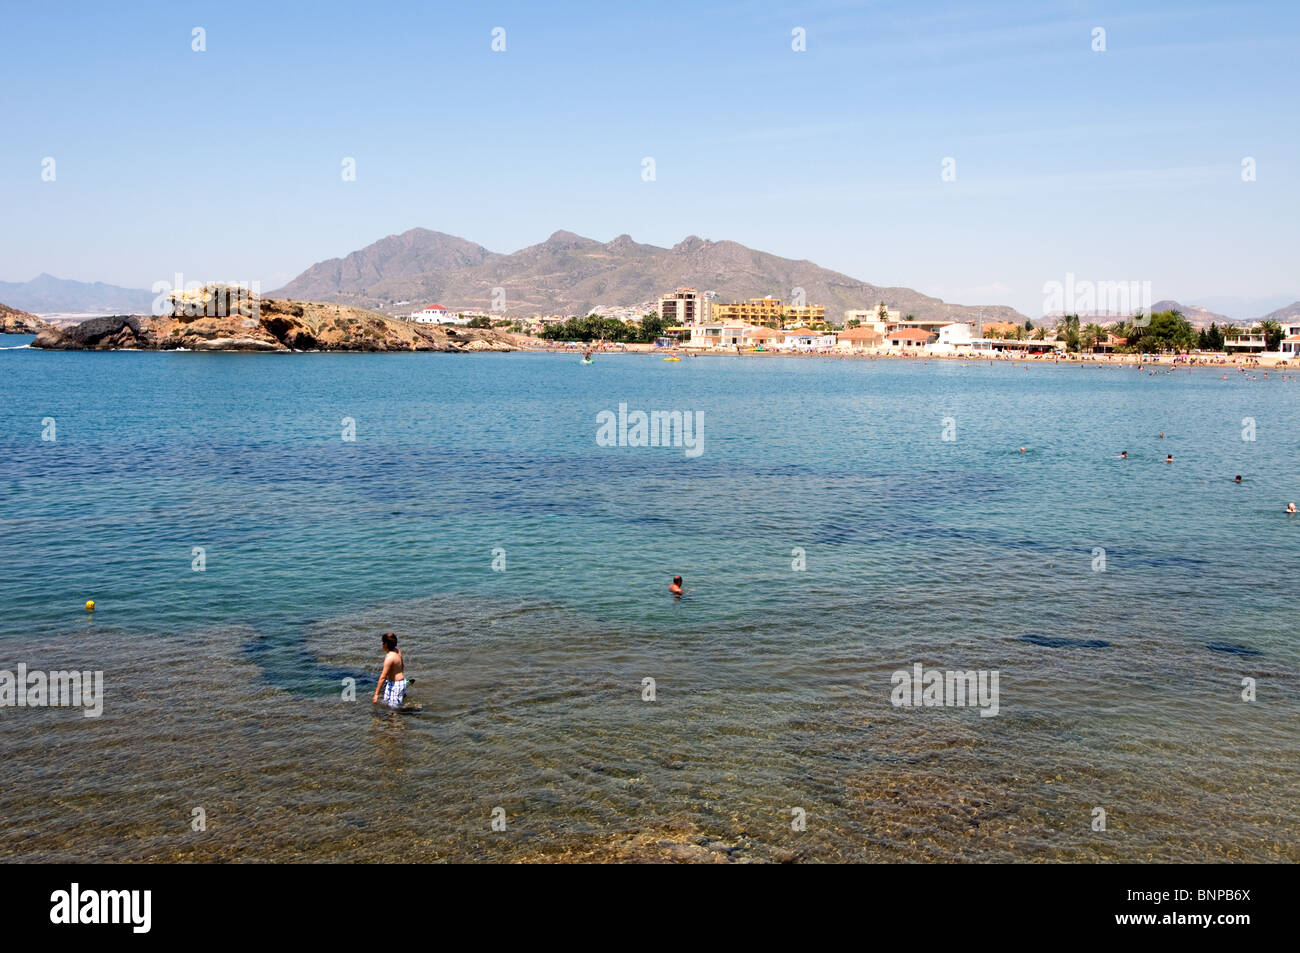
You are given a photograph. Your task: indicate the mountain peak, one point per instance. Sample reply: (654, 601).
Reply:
(570, 274)
(566, 238)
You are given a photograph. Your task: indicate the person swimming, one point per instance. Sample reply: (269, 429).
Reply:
(1290, 507)
(1169, 458)
(392, 679)
(676, 587)
(1023, 450)
(1238, 479)
(1123, 455)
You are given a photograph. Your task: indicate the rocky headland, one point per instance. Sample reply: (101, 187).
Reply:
(226, 318)
(13, 321)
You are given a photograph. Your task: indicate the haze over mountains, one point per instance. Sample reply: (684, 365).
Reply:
(569, 274)
(46, 294)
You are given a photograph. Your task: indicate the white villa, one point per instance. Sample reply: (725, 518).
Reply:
(1290, 346)
(1250, 341)
(953, 338)
(720, 334)
(436, 314)
(806, 339)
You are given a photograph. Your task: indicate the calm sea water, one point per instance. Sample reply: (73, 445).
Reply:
(1119, 689)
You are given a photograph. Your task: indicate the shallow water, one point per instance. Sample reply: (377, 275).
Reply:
(1118, 688)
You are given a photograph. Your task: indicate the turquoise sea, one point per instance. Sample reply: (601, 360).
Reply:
(1120, 686)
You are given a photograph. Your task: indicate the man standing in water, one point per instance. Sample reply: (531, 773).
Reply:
(676, 587)
(393, 673)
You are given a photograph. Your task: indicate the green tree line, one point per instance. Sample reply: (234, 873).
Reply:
(595, 328)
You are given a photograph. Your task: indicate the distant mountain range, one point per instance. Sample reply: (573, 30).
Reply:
(1200, 317)
(566, 274)
(569, 274)
(1291, 313)
(46, 294)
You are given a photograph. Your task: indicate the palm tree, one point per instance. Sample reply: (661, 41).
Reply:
(1067, 330)
(1272, 334)
(1091, 335)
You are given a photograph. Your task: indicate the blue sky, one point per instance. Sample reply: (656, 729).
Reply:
(1123, 165)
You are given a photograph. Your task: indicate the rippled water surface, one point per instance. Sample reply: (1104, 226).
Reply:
(1119, 689)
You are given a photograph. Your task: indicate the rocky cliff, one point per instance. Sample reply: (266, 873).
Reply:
(13, 321)
(219, 319)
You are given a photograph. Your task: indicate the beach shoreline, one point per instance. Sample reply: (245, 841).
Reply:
(1244, 362)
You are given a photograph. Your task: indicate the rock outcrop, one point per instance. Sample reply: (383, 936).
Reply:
(13, 321)
(225, 318)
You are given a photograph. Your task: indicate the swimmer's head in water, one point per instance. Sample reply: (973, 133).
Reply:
(1238, 480)
(390, 642)
(677, 580)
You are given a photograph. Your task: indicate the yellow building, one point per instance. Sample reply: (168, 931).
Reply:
(769, 312)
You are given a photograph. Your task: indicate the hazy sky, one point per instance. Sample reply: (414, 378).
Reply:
(1122, 165)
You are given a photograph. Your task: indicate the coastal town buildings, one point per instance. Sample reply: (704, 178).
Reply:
(999, 329)
(806, 339)
(685, 306)
(1250, 341)
(720, 334)
(879, 318)
(769, 312)
(766, 339)
(860, 338)
(1290, 346)
(907, 338)
(953, 338)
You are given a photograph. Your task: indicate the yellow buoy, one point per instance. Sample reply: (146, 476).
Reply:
(90, 605)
